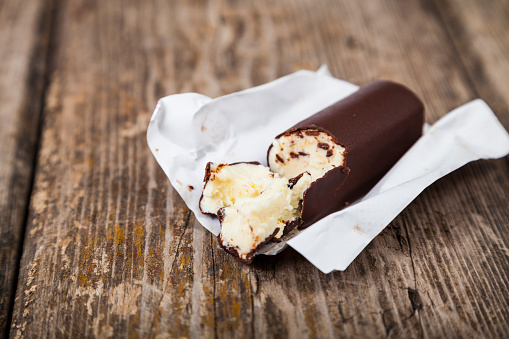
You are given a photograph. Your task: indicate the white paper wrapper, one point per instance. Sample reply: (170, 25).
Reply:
(188, 130)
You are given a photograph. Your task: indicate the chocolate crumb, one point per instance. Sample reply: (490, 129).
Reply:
(220, 214)
(278, 157)
(323, 145)
(299, 134)
(190, 188)
(303, 153)
(347, 203)
(312, 133)
(290, 225)
(294, 155)
(329, 153)
(293, 181)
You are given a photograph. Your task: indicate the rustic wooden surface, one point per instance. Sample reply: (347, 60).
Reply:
(24, 43)
(111, 250)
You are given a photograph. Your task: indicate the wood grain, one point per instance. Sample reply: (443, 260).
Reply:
(24, 36)
(110, 248)
(478, 31)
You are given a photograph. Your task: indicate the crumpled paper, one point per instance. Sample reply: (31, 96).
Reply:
(188, 130)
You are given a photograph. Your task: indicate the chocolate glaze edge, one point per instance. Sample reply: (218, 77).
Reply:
(250, 256)
(319, 193)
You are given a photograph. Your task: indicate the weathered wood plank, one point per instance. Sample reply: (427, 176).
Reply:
(478, 30)
(24, 38)
(111, 249)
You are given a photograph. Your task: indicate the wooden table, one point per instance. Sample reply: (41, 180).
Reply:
(94, 240)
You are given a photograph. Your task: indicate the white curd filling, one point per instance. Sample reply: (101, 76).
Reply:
(308, 150)
(255, 203)
(227, 183)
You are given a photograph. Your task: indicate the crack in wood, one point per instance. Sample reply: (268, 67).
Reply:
(342, 315)
(38, 78)
(388, 325)
(252, 308)
(421, 329)
(415, 299)
(171, 271)
(214, 282)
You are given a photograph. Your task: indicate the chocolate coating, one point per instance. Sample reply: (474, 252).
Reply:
(376, 125)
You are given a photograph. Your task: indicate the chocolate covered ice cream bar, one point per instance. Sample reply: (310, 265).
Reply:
(349, 146)
(253, 205)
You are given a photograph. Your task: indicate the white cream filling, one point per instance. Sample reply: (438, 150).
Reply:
(250, 221)
(256, 202)
(299, 152)
(231, 182)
